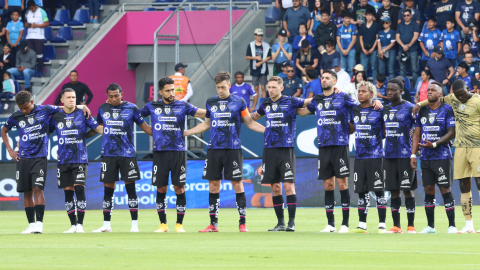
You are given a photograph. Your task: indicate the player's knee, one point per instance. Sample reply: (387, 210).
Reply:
(109, 185)
(162, 189)
(69, 188)
(342, 184)
(465, 185)
(214, 186)
(408, 193)
(477, 181)
(179, 189)
(277, 188)
(37, 191)
(237, 186)
(430, 190)
(395, 193)
(289, 188)
(444, 190)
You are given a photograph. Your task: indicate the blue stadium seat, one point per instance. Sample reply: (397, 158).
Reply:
(211, 8)
(81, 17)
(150, 9)
(164, 1)
(272, 14)
(61, 17)
(59, 3)
(223, 0)
(233, 8)
(204, 1)
(170, 9)
(103, 2)
(48, 33)
(49, 15)
(64, 33)
(48, 53)
(264, 2)
(17, 87)
(192, 9)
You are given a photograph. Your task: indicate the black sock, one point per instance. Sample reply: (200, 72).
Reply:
(410, 207)
(278, 206)
(363, 203)
(430, 209)
(214, 205)
(181, 207)
(449, 208)
(241, 207)
(30, 211)
(381, 206)
(162, 207)
(345, 199)
(39, 211)
(107, 203)
(132, 200)
(70, 206)
(81, 203)
(330, 206)
(395, 205)
(292, 208)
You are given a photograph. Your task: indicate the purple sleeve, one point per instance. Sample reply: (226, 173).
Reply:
(298, 102)
(312, 106)
(190, 109)
(252, 92)
(91, 123)
(261, 110)
(10, 123)
(51, 125)
(145, 111)
(51, 109)
(207, 107)
(244, 106)
(99, 116)
(137, 116)
(350, 102)
(417, 122)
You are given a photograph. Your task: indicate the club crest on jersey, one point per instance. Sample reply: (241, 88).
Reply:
(274, 107)
(31, 120)
(158, 110)
(243, 92)
(392, 115)
(267, 109)
(167, 110)
(68, 123)
(115, 115)
(60, 125)
(22, 124)
(431, 119)
(462, 107)
(320, 106)
(364, 117)
(222, 107)
(327, 104)
(423, 120)
(355, 119)
(106, 115)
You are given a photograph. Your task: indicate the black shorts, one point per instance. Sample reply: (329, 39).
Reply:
(399, 175)
(128, 169)
(437, 172)
(169, 161)
(31, 172)
(333, 161)
(278, 165)
(71, 174)
(228, 161)
(368, 175)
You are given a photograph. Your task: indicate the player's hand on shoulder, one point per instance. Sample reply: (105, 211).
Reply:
(377, 105)
(336, 90)
(415, 110)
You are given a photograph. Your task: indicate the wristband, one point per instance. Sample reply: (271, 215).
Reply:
(413, 156)
(418, 104)
(434, 145)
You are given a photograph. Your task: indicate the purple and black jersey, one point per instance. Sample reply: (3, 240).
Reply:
(368, 132)
(281, 120)
(168, 123)
(398, 123)
(33, 130)
(72, 135)
(332, 117)
(434, 125)
(225, 121)
(118, 128)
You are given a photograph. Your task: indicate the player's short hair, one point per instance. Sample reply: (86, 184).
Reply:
(113, 87)
(325, 11)
(465, 54)
(439, 85)
(432, 18)
(222, 76)
(381, 78)
(239, 73)
(23, 97)
(31, 3)
(370, 87)
(164, 81)
(66, 90)
(398, 82)
(73, 70)
(276, 79)
(451, 19)
(330, 42)
(331, 73)
(459, 85)
(8, 74)
(346, 14)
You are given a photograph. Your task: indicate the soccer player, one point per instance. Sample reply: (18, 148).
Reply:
(118, 152)
(244, 90)
(398, 174)
(168, 121)
(278, 164)
(332, 110)
(466, 164)
(367, 124)
(224, 115)
(31, 122)
(71, 126)
(434, 128)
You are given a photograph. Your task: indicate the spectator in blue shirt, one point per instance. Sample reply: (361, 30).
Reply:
(450, 42)
(439, 66)
(463, 75)
(386, 49)
(314, 86)
(464, 11)
(429, 39)
(416, 14)
(380, 84)
(297, 41)
(346, 38)
(368, 42)
(11, 5)
(338, 9)
(293, 17)
(328, 56)
(445, 10)
(281, 52)
(316, 17)
(473, 38)
(292, 85)
(472, 67)
(15, 30)
(244, 90)
(407, 36)
(283, 74)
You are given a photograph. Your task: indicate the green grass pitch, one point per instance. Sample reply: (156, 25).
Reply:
(229, 249)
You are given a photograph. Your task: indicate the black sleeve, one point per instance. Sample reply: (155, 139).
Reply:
(317, 36)
(11, 61)
(88, 93)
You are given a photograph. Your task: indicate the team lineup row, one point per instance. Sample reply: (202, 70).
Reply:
(406, 128)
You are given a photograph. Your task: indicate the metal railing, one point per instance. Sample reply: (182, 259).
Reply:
(189, 4)
(77, 51)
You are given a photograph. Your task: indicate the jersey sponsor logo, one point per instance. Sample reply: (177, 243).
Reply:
(364, 127)
(68, 123)
(182, 168)
(343, 169)
(80, 175)
(342, 161)
(167, 119)
(222, 123)
(157, 126)
(433, 128)
(377, 175)
(392, 125)
(30, 129)
(405, 182)
(462, 107)
(114, 123)
(324, 113)
(41, 172)
(40, 179)
(275, 115)
(222, 115)
(377, 183)
(61, 141)
(22, 124)
(106, 115)
(69, 132)
(183, 177)
(158, 110)
(60, 125)
(132, 172)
